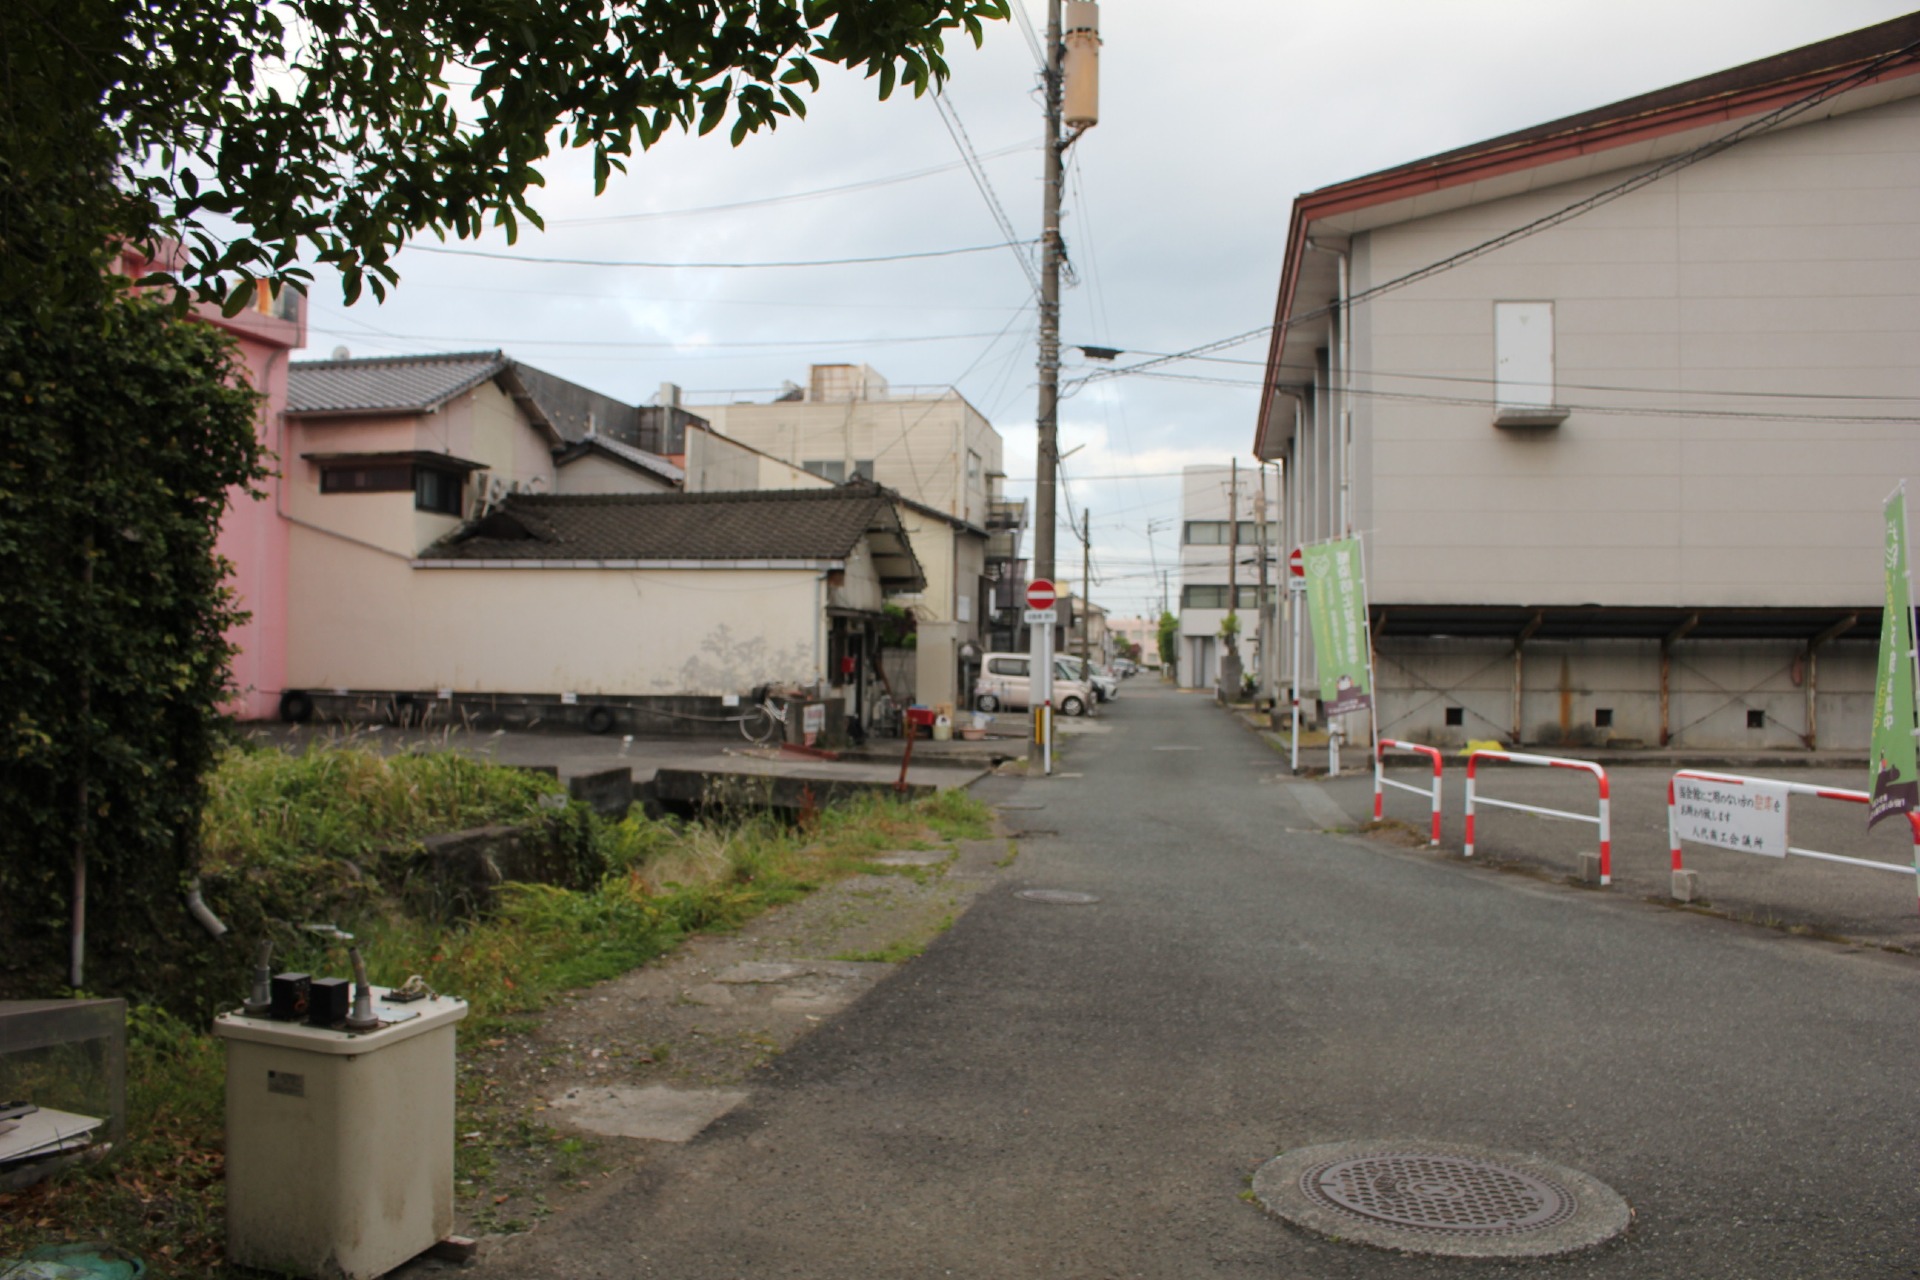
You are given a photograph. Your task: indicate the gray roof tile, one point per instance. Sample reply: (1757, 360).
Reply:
(777, 524)
(396, 384)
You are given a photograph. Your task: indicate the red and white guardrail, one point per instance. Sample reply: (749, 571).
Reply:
(1792, 788)
(1381, 780)
(1603, 820)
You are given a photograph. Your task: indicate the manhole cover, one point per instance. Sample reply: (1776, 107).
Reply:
(1058, 897)
(1438, 1193)
(1431, 1198)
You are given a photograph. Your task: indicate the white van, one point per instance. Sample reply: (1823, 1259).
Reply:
(1005, 680)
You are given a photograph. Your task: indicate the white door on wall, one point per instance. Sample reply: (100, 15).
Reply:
(1202, 665)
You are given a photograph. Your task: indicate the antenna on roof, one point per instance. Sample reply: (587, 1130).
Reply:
(341, 353)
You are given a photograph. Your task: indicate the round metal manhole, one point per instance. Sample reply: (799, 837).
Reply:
(1057, 897)
(1435, 1198)
(1438, 1193)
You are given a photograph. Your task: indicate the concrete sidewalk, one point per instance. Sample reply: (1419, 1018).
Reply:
(574, 755)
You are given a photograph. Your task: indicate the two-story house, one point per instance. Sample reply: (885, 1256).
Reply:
(1614, 401)
(466, 538)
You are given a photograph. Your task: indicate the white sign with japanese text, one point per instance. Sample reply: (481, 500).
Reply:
(1748, 816)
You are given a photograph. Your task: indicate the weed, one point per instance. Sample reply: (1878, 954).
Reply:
(894, 953)
(1013, 851)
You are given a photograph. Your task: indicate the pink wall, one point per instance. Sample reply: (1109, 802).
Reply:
(253, 537)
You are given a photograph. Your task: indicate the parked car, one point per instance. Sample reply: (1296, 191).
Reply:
(1125, 668)
(1106, 685)
(1006, 680)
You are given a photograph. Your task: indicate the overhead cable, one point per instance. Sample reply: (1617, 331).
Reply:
(790, 197)
(950, 117)
(705, 266)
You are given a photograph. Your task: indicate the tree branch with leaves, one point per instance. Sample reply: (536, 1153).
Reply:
(265, 136)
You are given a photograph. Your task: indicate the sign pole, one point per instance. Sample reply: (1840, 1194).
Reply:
(1296, 592)
(1042, 602)
(1298, 589)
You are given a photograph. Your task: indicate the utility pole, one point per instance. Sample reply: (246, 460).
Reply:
(1233, 540)
(1086, 587)
(1049, 410)
(1082, 60)
(1072, 55)
(1260, 635)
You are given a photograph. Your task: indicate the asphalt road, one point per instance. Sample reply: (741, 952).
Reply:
(1085, 1090)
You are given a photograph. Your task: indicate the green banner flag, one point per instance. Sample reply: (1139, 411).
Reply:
(1896, 788)
(1337, 601)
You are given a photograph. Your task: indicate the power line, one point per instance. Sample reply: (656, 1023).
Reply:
(1477, 380)
(769, 344)
(1617, 411)
(1125, 475)
(950, 116)
(1019, 8)
(706, 266)
(792, 196)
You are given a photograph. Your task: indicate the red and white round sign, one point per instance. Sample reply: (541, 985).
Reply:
(1295, 564)
(1040, 594)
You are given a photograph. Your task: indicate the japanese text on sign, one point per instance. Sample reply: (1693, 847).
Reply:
(1750, 816)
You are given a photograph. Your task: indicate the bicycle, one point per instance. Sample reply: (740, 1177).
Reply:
(763, 722)
(883, 718)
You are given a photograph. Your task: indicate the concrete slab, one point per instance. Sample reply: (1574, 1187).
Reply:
(910, 858)
(757, 971)
(655, 1113)
(818, 1003)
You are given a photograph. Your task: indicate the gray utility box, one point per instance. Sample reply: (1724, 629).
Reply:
(340, 1143)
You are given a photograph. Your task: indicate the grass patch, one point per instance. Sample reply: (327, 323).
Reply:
(899, 952)
(284, 831)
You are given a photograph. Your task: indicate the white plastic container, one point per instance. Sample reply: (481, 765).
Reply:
(942, 728)
(340, 1144)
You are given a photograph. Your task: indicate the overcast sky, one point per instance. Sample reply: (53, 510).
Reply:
(1213, 118)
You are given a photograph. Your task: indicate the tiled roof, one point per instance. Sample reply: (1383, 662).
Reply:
(576, 411)
(395, 384)
(768, 525)
(621, 451)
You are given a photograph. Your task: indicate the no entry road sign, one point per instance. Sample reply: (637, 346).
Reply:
(1040, 594)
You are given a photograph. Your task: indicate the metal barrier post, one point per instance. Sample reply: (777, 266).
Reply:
(1798, 789)
(1380, 780)
(1604, 819)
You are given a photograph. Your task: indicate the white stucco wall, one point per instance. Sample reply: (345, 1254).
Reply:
(367, 621)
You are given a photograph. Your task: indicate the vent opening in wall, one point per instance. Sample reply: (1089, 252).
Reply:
(1603, 717)
(1756, 719)
(1456, 715)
